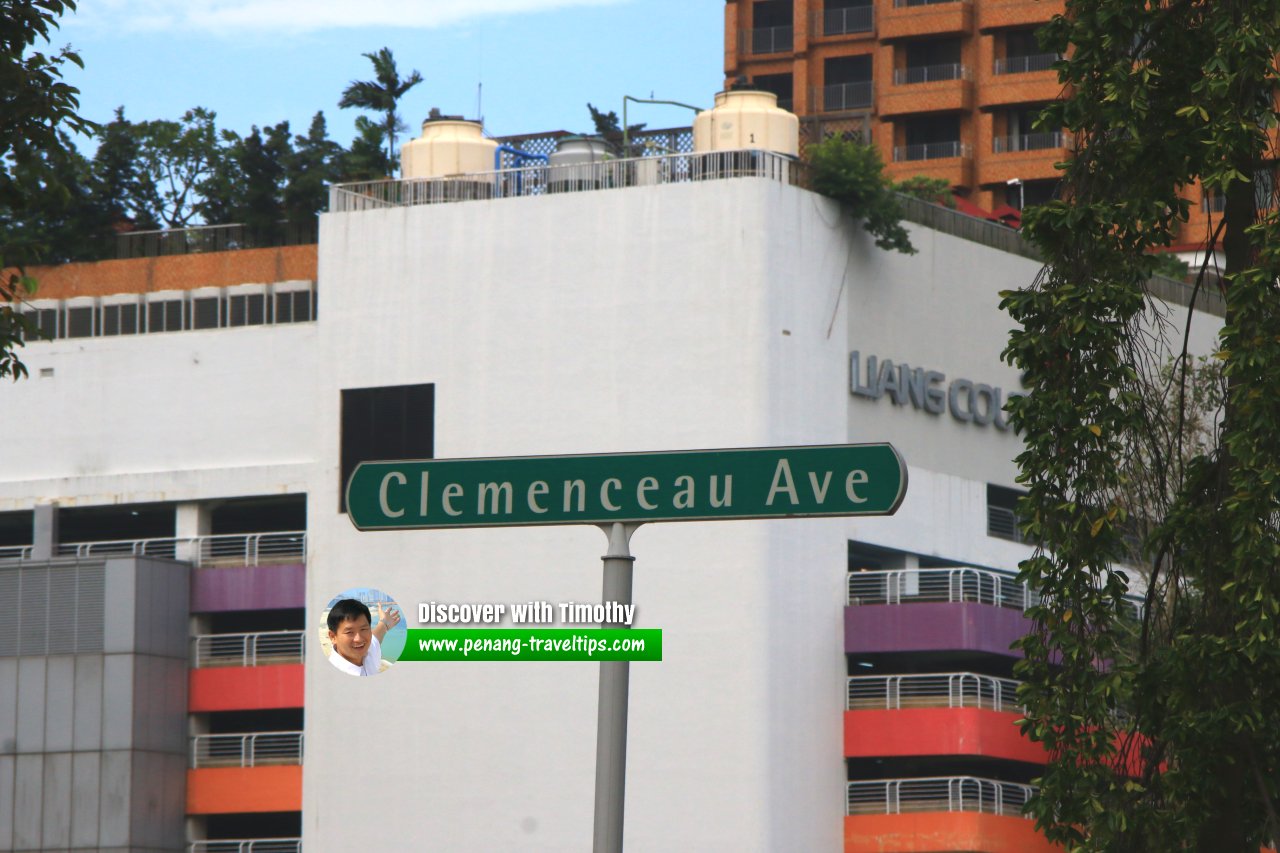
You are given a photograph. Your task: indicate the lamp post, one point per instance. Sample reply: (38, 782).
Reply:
(1022, 193)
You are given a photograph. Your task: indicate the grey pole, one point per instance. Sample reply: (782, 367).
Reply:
(611, 722)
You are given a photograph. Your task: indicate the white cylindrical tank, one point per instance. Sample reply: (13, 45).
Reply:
(745, 118)
(448, 146)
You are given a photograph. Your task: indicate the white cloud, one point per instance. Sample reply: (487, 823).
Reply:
(228, 16)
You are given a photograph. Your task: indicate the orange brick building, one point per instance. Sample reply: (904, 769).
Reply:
(945, 88)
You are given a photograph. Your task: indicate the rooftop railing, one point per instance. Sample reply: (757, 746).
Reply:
(197, 239)
(246, 750)
(264, 648)
(937, 794)
(233, 549)
(540, 180)
(932, 690)
(248, 845)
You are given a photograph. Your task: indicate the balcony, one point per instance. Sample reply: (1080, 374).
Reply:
(936, 714)
(240, 773)
(955, 813)
(848, 21)
(1027, 142)
(840, 97)
(946, 87)
(1024, 157)
(242, 672)
(931, 151)
(1025, 64)
(916, 18)
(1002, 14)
(236, 549)
(256, 749)
(766, 40)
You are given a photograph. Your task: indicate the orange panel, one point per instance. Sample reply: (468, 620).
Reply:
(937, 731)
(176, 272)
(245, 688)
(938, 832)
(231, 790)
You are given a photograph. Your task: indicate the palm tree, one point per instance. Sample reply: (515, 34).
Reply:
(382, 95)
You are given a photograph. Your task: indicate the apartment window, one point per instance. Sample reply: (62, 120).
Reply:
(1002, 519)
(930, 61)
(771, 26)
(119, 319)
(778, 84)
(1031, 193)
(847, 16)
(930, 138)
(1022, 53)
(848, 83)
(395, 422)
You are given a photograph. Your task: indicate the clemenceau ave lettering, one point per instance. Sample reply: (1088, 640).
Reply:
(821, 480)
(498, 499)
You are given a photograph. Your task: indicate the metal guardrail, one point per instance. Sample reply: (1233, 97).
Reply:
(541, 180)
(197, 239)
(904, 3)
(1027, 142)
(931, 151)
(255, 749)
(931, 73)
(768, 40)
(1002, 523)
(247, 845)
(233, 549)
(932, 690)
(852, 19)
(1024, 64)
(962, 584)
(937, 794)
(264, 648)
(847, 96)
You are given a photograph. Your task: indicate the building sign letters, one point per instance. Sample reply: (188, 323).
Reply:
(928, 390)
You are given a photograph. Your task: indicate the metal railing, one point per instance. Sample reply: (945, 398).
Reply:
(233, 549)
(540, 180)
(247, 845)
(847, 96)
(937, 794)
(961, 584)
(931, 73)
(264, 648)
(1213, 202)
(932, 690)
(1023, 64)
(852, 19)
(931, 151)
(769, 40)
(1027, 142)
(197, 239)
(246, 750)
(904, 3)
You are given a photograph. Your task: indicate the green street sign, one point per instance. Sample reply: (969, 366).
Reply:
(695, 485)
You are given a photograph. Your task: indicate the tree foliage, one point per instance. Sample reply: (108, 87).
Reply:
(37, 109)
(382, 95)
(1163, 733)
(852, 172)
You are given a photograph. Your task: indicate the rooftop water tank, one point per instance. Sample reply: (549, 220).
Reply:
(573, 164)
(745, 118)
(448, 146)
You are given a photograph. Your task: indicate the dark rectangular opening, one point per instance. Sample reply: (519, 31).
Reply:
(778, 84)
(395, 422)
(204, 313)
(80, 322)
(164, 316)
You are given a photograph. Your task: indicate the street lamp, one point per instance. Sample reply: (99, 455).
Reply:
(1022, 193)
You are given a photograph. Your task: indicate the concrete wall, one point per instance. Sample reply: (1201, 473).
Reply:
(93, 744)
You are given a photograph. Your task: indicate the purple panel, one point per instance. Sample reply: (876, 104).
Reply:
(933, 627)
(248, 588)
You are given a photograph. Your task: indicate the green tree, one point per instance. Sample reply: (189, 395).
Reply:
(37, 108)
(852, 172)
(366, 159)
(382, 95)
(609, 127)
(174, 158)
(1163, 734)
(315, 163)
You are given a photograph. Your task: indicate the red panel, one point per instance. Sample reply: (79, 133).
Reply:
(245, 688)
(939, 832)
(231, 790)
(937, 731)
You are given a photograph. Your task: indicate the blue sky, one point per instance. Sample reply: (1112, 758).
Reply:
(263, 61)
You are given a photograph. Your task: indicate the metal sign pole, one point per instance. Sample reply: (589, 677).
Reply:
(611, 721)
